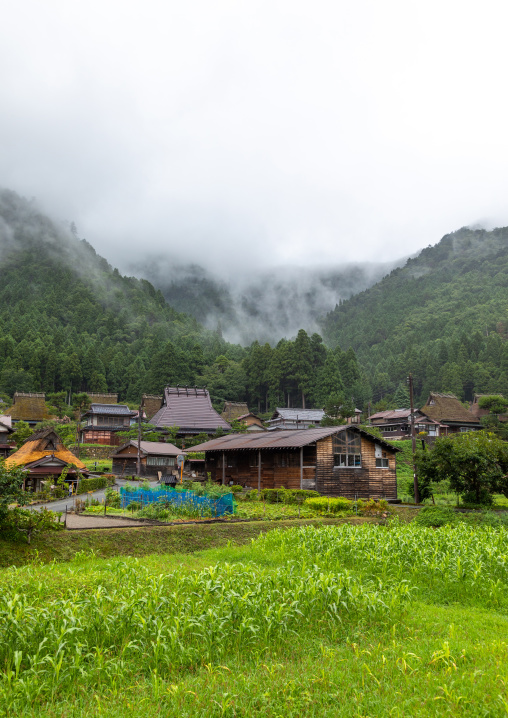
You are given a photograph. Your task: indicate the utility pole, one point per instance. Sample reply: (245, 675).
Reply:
(413, 438)
(138, 462)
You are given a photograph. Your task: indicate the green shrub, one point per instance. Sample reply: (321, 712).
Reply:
(485, 498)
(96, 482)
(113, 498)
(436, 516)
(134, 506)
(324, 504)
(236, 489)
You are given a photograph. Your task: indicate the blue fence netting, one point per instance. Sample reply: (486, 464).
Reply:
(206, 504)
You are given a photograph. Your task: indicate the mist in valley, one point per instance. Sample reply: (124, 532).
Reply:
(262, 304)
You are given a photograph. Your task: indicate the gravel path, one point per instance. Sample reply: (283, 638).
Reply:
(78, 521)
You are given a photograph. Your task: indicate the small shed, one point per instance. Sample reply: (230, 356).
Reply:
(45, 457)
(156, 457)
(336, 461)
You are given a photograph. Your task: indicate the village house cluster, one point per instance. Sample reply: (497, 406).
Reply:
(290, 450)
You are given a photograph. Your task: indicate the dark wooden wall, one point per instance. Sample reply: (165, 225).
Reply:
(319, 472)
(365, 482)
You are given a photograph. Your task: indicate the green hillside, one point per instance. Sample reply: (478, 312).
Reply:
(443, 316)
(69, 321)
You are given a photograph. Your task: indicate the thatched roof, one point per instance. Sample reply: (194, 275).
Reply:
(447, 408)
(44, 442)
(29, 407)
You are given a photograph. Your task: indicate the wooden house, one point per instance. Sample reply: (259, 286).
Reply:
(6, 430)
(252, 422)
(232, 410)
(396, 423)
(190, 409)
(295, 418)
(29, 407)
(45, 457)
(450, 413)
(104, 421)
(336, 461)
(156, 457)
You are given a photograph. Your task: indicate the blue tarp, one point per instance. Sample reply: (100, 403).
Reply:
(217, 507)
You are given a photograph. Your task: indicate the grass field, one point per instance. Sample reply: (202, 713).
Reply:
(317, 620)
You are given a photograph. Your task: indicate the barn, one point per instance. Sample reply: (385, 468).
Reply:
(336, 461)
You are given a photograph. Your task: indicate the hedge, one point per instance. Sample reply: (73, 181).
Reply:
(97, 482)
(287, 496)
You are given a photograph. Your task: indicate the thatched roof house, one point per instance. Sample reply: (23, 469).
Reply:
(234, 409)
(45, 457)
(447, 409)
(150, 403)
(29, 407)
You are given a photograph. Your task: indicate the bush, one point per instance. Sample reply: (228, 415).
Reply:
(366, 506)
(436, 516)
(97, 482)
(134, 506)
(485, 498)
(323, 504)
(236, 489)
(113, 498)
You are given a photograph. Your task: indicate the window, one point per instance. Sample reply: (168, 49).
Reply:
(253, 459)
(160, 461)
(381, 463)
(347, 449)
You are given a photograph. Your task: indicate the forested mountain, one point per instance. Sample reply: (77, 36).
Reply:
(70, 322)
(443, 316)
(259, 304)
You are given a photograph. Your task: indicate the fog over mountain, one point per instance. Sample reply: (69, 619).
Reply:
(261, 304)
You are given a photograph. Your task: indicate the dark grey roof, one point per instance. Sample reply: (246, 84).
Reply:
(285, 439)
(150, 448)
(190, 409)
(111, 409)
(299, 414)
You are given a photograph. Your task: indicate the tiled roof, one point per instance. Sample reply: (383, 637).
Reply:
(285, 439)
(151, 448)
(390, 414)
(111, 409)
(190, 409)
(299, 414)
(446, 407)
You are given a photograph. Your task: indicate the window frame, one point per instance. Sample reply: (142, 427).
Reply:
(347, 445)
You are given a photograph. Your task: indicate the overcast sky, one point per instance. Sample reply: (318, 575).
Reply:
(232, 133)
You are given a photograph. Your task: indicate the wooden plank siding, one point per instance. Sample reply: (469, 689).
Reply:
(319, 472)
